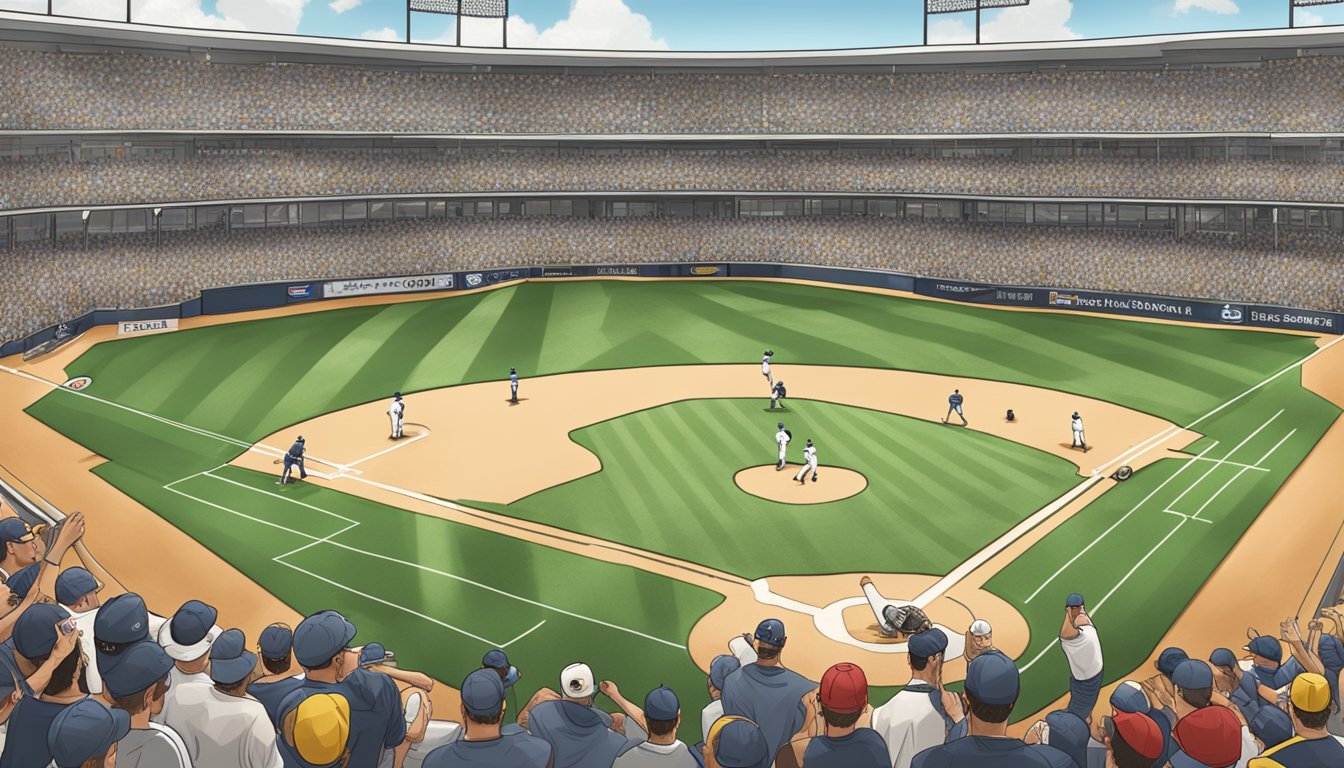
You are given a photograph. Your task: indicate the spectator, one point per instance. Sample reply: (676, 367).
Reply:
(921, 714)
(423, 735)
(220, 724)
(85, 735)
(275, 647)
(314, 729)
(1207, 735)
(119, 624)
(1132, 740)
(719, 669)
(992, 685)
(842, 744)
(1082, 648)
(483, 745)
(186, 638)
(138, 682)
(1129, 698)
(1271, 727)
(1160, 687)
(77, 590)
(578, 734)
(38, 640)
(661, 716)
(498, 660)
(765, 692)
(20, 546)
(736, 742)
(979, 639)
(1064, 731)
(1269, 671)
(1309, 705)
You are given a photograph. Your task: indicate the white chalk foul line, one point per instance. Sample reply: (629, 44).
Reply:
(391, 448)
(525, 634)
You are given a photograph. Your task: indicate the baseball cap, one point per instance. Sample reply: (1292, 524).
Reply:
(927, 643)
(22, 580)
(980, 628)
(1272, 726)
(1129, 697)
(1068, 734)
(1222, 657)
(1191, 674)
(721, 667)
(397, 395)
(576, 681)
(1310, 692)
(188, 634)
(1169, 659)
(780, 425)
(16, 530)
(84, 730)
(320, 637)
(74, 583)
(993, 679)
(739, 744)
(661, 704)
(373, 653)
(276, 641)
(1210, 735)
(499, 660)
(1074, 600)
(123, 619)
(1266, 646)
(230, 661)
(771, 631)
(844, 689)
(1140, 732)
(316, 725)
(483, 693)
(35, 631)
(140, 666)
(1331, 651)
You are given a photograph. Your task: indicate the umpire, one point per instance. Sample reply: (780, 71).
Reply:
(294, 457)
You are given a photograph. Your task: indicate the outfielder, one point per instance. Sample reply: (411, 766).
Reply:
(777, 393)
(395, 412)
(1078, 441)
(292, 457)
(954, 401)
(513, 385)
(782, 438)
(765, 369)
(809, 463)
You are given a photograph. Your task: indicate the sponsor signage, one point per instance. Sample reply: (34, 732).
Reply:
(557, 271)
(475, 279)
(1231, 314)
(300, 291)
(1297, 319)
(78, 383)
(617, 271)
(503, 275)
(374, 285)
(979, 293)
(134, 327)
(704, 271)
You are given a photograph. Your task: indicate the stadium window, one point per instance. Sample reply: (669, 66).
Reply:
(537, 208)
(1334, 219)
(68, 223)
(790, 207)
(885, 208)
(380, 210)
(173, 219)
(437, 208)
(1047, 213)
(37, 226)
(308, 214)
(410, 209)
(277, 215)
(211, 217)
(100, 222)
(1094, 215)
(682, 209)
(1073, 215)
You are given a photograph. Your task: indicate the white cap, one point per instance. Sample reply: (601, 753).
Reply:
(980, 628)
(576, 682)
(186, 652)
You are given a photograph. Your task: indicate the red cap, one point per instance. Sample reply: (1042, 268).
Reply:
(844, 689)
(1211, 735)
(1140, 733)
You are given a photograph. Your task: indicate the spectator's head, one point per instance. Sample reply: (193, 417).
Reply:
(1074, 603)
(662, 713)
(231, 664)
(138, 679)
(926, 651)
(483, 700)
(1311, 703)
(577, 683)
(736, 742)
(719, 670)
(1223, 659)
(122, 622)
(316, 725)
(77, 590)
(21, 582)
(498, 660)
(982, 635)
(1210, 737)
(992, 685)
(843, 694)
(276, 647)
(1194, 683)
(19, 542)
(1132, 740)
(1169, 659)
(1129, 697)
(322, 645)
(187, 636)
(1068, 734)
(34, 638)
(770, 639)
(85, 734)
(1271, 727)
(1265, 651)
(372, 654)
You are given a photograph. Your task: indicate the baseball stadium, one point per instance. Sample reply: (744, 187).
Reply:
(618, 372)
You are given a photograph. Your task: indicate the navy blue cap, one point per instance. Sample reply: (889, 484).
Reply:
(276, 641)
(771, 631)
(721, 667)
(1222, 657)
(499, 660)
(661, 704)
(741, 745)
(993, 678)
(1068, 734)
(320, 637)
(230, 661)
(123, 619)
(23, 580)
(35, 631)
(928, 643)
(373, 653)
(1074, 600)
(1272, 726)
(74, 583)
(84, 730)
(1129, 697)
(192, 622)
(483, 693)
(1266, 646)
(1192, 674)
(1169, 659)
(138, 667)
(15, 529)
(781, 425)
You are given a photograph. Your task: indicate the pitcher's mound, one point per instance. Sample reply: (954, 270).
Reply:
(835, 483)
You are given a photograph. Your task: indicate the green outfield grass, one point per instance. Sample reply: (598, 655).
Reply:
(933, 493)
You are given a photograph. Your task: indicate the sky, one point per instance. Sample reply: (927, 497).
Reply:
(709, 25)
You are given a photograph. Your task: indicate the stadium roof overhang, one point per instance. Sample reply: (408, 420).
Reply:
(1210, 48)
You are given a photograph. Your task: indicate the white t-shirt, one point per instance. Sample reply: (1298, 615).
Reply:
(810, 454)
(222, 731)
(177, 687)
(396, 409)
(709, 716)
(1083, 653)
(154, 747)
(782, 438)
(909, 724)
(1078, 425)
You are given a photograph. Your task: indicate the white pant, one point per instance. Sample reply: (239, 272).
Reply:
(1078, 437)
(783, 450)
(811, 466)
(396, 424)
(765, 371)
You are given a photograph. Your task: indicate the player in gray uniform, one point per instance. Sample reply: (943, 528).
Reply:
(809, 464)
(396, 412)
(294, 456)
(765, 369)
(513, 385)
(782, 438)
(777, 393)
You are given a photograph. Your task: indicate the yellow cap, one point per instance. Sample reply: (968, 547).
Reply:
(321, 728)
(1310, 692)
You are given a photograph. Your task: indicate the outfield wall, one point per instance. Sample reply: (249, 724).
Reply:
(242, 298)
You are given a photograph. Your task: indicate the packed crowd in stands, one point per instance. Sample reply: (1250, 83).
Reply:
(94, 678)
(45, 284)
(124, 91)
(278, 173)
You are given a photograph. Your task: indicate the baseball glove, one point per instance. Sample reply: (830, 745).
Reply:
(790, 434)
(908, 620)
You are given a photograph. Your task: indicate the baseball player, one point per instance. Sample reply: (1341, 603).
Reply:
(893, 619)
(513, 385)
(765, 369)
(954, 401)
(809, 463)
(782, 438)
(1078, 441)
(395, 412)
(777, 393)
(294, 456)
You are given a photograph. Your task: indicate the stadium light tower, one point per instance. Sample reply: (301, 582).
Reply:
(478, 9)
(932, 7)
(1293, 5)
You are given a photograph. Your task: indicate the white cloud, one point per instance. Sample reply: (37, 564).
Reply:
(949, 31)
(31, 6)
(341, 6)
(591, 24)
(1305, 18)
(386, 33)
(1042, 20)
(1212, 6)
(255, 15)
(261, 15)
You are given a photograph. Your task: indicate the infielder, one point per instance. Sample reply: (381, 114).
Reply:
(1078, 441)
(395, 412)
(782, 438)
(954, 401)
(292, 457)
(513, 385)
(765, 369)
(809, 463)
(777, 393)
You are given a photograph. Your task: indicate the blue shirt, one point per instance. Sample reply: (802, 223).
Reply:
(771, 697)
(376, 718)
(26, 742)
(990, 752)
(271, 694)
(296, 450)
(517, 750)
(577, 734)
(954, 399)
(863, 748)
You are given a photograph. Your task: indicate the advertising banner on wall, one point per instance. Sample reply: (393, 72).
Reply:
(372, 285)
(136, 327)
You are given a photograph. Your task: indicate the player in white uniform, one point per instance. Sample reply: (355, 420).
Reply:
(782, 438)
(1078, 441)
(809, 464)
(513, 385)
(395, 412)
(778, 393)
(765, 369)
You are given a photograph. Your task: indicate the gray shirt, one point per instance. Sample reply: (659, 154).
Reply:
(155, 747)
(646, 755)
